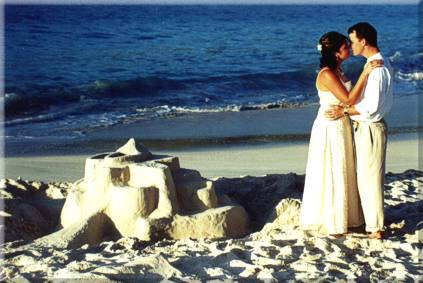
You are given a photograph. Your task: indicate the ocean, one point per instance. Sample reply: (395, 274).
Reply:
(72, 68)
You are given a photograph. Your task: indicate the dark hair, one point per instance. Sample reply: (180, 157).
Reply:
(331, 42)
(366, 31)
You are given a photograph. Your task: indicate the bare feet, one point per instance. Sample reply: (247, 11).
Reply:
(376, 235)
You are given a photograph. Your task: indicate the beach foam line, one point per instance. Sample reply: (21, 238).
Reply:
(207, 129)
(183, 143)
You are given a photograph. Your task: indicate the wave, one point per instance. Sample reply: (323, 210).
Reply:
(234, 90)
(396, 57)
(40, 98)
(134, 87)
(413, 76)
(169, 111)
(155, 90)
(81, 116)
(408, 67)
(53, 114)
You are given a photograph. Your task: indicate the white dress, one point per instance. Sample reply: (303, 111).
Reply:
(330, 202)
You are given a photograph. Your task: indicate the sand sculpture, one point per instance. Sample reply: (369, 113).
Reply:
(133, 193)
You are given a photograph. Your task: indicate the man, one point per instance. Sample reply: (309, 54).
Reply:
(370, 129)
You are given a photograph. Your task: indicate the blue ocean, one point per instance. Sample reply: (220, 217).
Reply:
(71, 68)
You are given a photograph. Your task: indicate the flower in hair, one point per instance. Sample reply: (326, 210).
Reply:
(319, 47)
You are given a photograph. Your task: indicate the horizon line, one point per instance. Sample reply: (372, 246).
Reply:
(209, 2)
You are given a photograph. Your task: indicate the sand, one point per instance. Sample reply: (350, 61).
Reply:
(215, 161)
(279, 251)
(217, 144)
(243, 148)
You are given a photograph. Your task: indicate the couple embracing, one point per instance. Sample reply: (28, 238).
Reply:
(346, 159)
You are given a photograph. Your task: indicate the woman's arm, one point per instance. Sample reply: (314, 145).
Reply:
(334, 85)
(338, 111)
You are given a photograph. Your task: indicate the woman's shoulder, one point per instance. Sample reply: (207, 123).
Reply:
(325, 78)
(326, 75)
(326, 71)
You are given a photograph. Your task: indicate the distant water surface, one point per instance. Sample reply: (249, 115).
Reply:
(73, 67)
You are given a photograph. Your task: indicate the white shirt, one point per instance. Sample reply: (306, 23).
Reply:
(376, 97)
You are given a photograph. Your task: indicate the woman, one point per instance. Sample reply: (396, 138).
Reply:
(331, 202)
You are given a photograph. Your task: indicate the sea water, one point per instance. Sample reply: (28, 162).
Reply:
(69, 68)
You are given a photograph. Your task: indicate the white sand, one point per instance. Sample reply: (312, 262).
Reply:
(227, 161)
(279, 252)
(276, 253)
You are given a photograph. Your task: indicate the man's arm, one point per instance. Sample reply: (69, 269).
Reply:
(370, 101)
(351, 110)
(375, 87)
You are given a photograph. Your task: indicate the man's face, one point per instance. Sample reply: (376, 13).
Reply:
(357, 45)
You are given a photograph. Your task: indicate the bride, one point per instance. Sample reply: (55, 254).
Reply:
(331, 202)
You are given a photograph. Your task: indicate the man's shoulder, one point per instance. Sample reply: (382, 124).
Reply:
(383, 71)
(386, 62)
(376, 56)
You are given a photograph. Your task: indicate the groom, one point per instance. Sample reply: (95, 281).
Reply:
(370, 129)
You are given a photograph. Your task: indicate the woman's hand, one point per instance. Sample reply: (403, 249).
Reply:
(335, 112)
(372, 65)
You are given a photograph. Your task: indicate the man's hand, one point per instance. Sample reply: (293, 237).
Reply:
(335, 112)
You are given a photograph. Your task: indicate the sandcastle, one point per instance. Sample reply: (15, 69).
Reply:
(133, 193)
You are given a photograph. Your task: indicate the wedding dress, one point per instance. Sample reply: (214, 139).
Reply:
(330, 202)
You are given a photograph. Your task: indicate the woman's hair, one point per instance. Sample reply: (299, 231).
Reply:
(331, 42)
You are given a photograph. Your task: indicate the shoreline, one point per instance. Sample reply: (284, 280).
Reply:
(227, 144)
(214, 161)
(207, 129)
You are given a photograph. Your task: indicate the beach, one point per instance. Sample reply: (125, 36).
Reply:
(169, 143)
(223, 149)
(228, 144)
(277, 251)
(215, 161)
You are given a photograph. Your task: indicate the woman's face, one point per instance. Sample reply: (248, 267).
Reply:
(344, 51)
